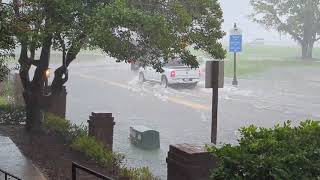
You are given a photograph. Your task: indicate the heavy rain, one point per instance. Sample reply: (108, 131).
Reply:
(275, 83)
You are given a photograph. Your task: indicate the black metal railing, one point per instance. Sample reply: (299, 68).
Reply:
(8, 175)
(76, 166)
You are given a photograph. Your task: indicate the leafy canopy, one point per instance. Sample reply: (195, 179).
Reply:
(137, 30)
(264, 153)
(144, 30)
(298, 18)
(6, 40)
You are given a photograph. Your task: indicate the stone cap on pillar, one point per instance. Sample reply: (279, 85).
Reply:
(101, 115)
(99, 118)
(191, 152)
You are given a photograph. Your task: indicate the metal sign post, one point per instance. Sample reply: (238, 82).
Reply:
(214, 80)
(235, 46)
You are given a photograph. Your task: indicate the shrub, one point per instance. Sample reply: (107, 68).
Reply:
(138, 173)
(272, 153)
(10, 115)
(4, 70)
(94, 149)
(80, 141)
(77, 131)
(56, 124)
(8, 90)
(3, 102)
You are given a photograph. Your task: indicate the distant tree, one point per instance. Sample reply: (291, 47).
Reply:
(298, 18)
(6, 39)
(122, 29)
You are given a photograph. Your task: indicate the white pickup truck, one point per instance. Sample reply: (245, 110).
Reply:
(174, 73)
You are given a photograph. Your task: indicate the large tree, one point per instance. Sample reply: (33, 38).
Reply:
(142, 30)
(298, 18)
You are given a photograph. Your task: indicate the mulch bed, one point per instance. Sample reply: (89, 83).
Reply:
(50, 153)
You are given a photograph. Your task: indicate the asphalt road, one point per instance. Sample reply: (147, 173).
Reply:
(184, 115)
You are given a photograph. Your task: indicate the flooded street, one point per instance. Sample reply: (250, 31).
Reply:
(184, 115)
(76, 96)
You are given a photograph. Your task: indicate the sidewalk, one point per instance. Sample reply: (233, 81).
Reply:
(13, 162)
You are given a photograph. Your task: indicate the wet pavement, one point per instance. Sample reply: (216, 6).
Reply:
(13, 162)
(184, 115)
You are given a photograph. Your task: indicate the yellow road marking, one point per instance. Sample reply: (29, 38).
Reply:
(190, 104)
(105, 81)
(175, 100)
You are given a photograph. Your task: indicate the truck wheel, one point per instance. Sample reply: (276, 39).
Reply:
(164, 82)
(141, 78)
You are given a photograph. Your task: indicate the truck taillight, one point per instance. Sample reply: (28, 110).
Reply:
(173, 74)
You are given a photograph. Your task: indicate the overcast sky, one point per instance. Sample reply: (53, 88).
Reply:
(238, 11)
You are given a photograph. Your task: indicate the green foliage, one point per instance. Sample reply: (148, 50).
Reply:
(137, 173)
(289, 16)
(77, 131)
(121, 29)
(125, 29)
(79, 140)
(3, 102)
(9, 112)
(6, 40)
(299, 19)
(94, 149)
(4, 70)
(6, 36)
(10, 115)
(146, 30)
(264, 153)
(57, 124)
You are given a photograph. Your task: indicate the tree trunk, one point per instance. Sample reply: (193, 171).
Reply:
(307, 49)
(33, 90)
(310, 50)
(33, 111)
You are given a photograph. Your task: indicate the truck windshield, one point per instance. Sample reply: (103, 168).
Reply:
(174, 62)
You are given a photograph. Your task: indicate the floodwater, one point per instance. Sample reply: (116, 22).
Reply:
(184, 115)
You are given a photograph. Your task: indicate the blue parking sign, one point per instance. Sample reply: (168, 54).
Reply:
(235, 44)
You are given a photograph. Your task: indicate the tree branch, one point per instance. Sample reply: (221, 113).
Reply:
(61, 74)
(25, 67)
(296, 36)
(63, 46)
(75, 49)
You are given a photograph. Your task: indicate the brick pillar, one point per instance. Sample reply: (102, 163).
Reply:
(189, 162)
(101, 127)
(58, 103)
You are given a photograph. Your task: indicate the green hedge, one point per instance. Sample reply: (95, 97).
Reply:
(92, 148)
(78, 138)
(3, 102)
(282, 152)
(9, 114)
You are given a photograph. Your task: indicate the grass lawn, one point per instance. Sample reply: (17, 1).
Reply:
(258, 59)
(3, 101)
